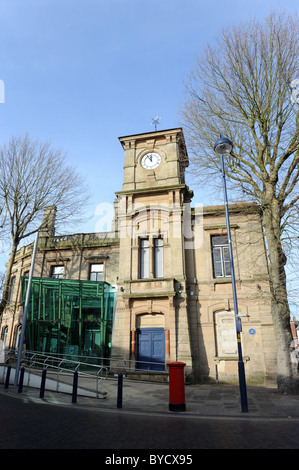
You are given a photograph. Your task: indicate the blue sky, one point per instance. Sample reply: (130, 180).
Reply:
(81, 73)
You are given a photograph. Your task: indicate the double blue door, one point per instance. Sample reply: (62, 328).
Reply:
(151, 348)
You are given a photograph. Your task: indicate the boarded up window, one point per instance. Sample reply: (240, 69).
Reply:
(226, 334)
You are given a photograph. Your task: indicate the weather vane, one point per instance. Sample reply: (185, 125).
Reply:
(155, 122)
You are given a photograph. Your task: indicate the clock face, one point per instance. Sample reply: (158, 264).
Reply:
(151, 160)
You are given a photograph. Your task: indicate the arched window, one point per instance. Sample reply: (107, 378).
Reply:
(4, 335)
(17, 336)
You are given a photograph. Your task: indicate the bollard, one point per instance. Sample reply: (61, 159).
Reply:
(120, 391)
(176, 386)
(7, 377)
(75, 387)
(43, 384)
(20, 389)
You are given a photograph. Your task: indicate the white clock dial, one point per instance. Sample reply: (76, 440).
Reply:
(151, 160)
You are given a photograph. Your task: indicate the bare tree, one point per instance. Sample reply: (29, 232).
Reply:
(34, 176)
(240, 87)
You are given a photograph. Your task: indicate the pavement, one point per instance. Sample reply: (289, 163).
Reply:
(207, 400)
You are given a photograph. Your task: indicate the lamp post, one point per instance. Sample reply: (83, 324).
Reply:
(223, 146)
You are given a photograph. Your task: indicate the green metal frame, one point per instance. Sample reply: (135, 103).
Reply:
(69, 317)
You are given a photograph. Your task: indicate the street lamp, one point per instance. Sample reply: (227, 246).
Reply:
(223, 146)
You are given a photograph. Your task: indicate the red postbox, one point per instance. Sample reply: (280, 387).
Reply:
(176, 386)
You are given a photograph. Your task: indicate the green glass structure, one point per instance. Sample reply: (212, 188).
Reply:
(69, 317)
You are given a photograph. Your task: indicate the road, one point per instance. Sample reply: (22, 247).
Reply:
(26, 424)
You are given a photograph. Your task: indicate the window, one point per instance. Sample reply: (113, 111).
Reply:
(18, 336)
(57, 272)
(96, 272)
(151, 258)
(158, 258)
(4, 335)
(221, 258)
(226, 338)
(144, 258)
(12, 285)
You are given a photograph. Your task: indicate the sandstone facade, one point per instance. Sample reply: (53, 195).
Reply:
(168, 262)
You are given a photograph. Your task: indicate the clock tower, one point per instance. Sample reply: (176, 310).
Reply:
(154, 159)
(151, 323)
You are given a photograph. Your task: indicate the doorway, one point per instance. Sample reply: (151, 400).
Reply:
(151, 348)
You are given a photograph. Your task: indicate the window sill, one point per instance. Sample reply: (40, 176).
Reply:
(157, 287)
(221, 280)
(149, 279)
(230, 358)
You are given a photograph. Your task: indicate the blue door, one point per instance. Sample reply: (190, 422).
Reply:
(151, 348)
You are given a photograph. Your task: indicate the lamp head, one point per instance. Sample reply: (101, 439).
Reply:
(223, 146)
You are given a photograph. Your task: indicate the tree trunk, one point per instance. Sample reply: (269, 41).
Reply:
(287, 374)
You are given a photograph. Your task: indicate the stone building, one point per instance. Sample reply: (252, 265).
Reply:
(169, 264)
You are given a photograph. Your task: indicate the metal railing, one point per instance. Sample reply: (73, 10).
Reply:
(62, 368)
(88, 367)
